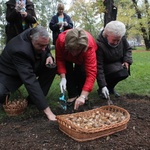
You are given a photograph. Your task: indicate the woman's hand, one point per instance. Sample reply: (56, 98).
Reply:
(79, 101)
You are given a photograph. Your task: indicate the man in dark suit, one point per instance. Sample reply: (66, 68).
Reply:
(23, 61)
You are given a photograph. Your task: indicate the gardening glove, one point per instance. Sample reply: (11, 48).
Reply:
(63, 85)
(65, 23)
(105, 92)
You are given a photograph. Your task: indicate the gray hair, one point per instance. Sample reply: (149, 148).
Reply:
(115, 28)
(39, 31)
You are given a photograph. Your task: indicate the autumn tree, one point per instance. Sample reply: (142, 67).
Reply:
(84, 15)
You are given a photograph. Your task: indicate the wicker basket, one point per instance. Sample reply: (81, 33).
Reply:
(15, 107)
(81, 134)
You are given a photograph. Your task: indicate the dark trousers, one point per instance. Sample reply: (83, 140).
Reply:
(75, 79)
(45, 77)
(114, 78)
(3, 93)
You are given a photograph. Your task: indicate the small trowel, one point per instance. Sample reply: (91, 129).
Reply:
(62, 101)
(109, 102)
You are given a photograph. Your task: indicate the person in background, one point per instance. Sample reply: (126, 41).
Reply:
(20, 15)
(60, 22)
(76, 64)
(25, 62)
(114, 57)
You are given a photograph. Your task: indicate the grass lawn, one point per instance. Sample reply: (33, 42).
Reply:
(139, 81)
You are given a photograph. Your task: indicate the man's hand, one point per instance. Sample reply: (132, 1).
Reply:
(49, 114)
(105, 92)
(126, 65)
(63, 85)
(49, 60)
(50, 63)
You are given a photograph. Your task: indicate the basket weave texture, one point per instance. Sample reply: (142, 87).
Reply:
(15, 107)
(81, 134)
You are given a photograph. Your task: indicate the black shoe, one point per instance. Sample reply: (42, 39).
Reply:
(70, 103)
(87, 105)
(70, 107)
(116, 94)
(113, 92)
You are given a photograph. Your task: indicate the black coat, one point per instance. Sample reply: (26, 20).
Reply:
(55, 27)
(14, 19)
(109, 59)
(18, 66)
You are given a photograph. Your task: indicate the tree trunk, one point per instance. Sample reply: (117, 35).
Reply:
(110, 11)
(147, 44)
(144, 30)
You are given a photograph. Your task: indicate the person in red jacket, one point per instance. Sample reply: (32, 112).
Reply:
(76, 64)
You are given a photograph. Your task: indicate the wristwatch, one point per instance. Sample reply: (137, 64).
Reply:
(83, 96)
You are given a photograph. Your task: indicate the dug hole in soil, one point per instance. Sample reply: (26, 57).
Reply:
(37, 133)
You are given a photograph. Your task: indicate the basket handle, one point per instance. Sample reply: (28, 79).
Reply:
(6, 100)
(7, 96)
(20, 94)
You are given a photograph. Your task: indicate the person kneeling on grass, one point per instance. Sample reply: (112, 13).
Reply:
(76, 64)
(114, 57)
(23, 61)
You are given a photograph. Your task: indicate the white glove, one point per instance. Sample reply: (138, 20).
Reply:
(63, 85)
(105, 92)
(65, 23)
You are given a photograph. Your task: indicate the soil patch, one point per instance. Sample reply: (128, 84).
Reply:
(36, 133)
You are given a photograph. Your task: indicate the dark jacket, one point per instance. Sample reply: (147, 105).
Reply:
(55, 27)
(17, 63)
(109, 59)
(14, 19)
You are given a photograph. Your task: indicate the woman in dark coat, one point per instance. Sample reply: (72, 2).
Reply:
(60, 22)
(114, 57)
(18, 19)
